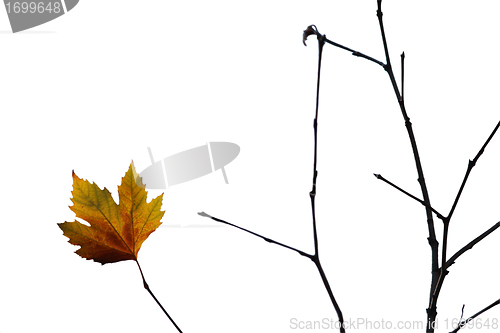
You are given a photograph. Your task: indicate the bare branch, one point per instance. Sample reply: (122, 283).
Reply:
(313, 30)
(378, 176)
(469, 246)
(469, 169)
(402, 76)
(269, 240)
(312, 194)
(464, 322)
(436, 273)
(486, 143)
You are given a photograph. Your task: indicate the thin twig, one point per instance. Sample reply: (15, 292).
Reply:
(269, 240)
(378, 176)
(444, 266)
(462, 314)
(315, 257)
(402, 76)
(469, 246)
(312, 194)
(436, 273)
(464, 322)
(469, 169)
(446, 222)
(446, 227)
(146, 286)
(330, 293)
(313, 30)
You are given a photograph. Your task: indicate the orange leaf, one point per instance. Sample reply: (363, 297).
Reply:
(116, 232)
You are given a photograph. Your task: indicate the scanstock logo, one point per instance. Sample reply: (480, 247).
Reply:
(27, 14)
(189, 164)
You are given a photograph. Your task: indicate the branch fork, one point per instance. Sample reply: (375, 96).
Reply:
(438, 273)
(311, 30)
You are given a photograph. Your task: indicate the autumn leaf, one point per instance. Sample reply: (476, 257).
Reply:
(116, 232)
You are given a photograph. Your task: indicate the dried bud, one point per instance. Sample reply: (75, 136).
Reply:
(311, 30)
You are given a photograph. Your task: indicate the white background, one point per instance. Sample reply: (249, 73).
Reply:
(92, 90)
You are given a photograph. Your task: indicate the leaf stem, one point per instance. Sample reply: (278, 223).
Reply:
(146, 286)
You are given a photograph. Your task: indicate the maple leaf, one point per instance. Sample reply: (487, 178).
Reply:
(116, 232)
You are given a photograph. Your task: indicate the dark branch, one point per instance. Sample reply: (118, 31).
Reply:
(378, 176)
(469, 169)
(486, 143)
(312, 194)
(445, 264)
(469, 246)
(436, 273)
(464, 322)
(313, 30)
(452, 210)
(402, 76)
(269, 240)
(382, 31)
